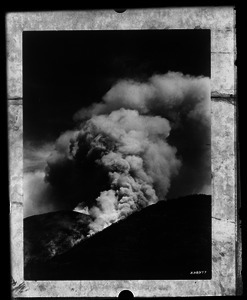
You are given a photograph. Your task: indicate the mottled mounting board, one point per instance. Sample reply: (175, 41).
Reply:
(226, 245)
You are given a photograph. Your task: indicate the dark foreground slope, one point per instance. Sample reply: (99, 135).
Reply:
(168, 240)
(50, 234)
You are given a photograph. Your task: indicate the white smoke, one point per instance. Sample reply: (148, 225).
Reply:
(166, 95)
(119, 158)
(139, 162)
(37, 194)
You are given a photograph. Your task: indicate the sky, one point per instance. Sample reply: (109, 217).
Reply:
(66, 72)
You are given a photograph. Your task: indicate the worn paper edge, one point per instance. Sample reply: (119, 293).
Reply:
(221, 22)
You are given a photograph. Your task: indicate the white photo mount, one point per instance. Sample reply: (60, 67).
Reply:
(226, 239)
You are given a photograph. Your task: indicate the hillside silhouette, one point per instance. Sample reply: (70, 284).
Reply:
(50, 234)
(168, 240)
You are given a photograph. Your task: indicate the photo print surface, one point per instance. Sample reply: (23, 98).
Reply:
(117, 159)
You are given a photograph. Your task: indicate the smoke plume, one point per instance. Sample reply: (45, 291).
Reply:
(130, 153)
(129, 150)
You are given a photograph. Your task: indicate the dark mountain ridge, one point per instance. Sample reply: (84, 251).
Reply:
(167, 240)
(50, 234)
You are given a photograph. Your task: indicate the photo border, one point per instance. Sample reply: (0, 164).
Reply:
(226, 268)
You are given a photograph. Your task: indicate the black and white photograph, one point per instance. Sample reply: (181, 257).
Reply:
(117, 155)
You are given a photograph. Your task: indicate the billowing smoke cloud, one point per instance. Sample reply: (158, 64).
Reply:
(128, 153)
(183, 100)
(170, 95)
(145, 141)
